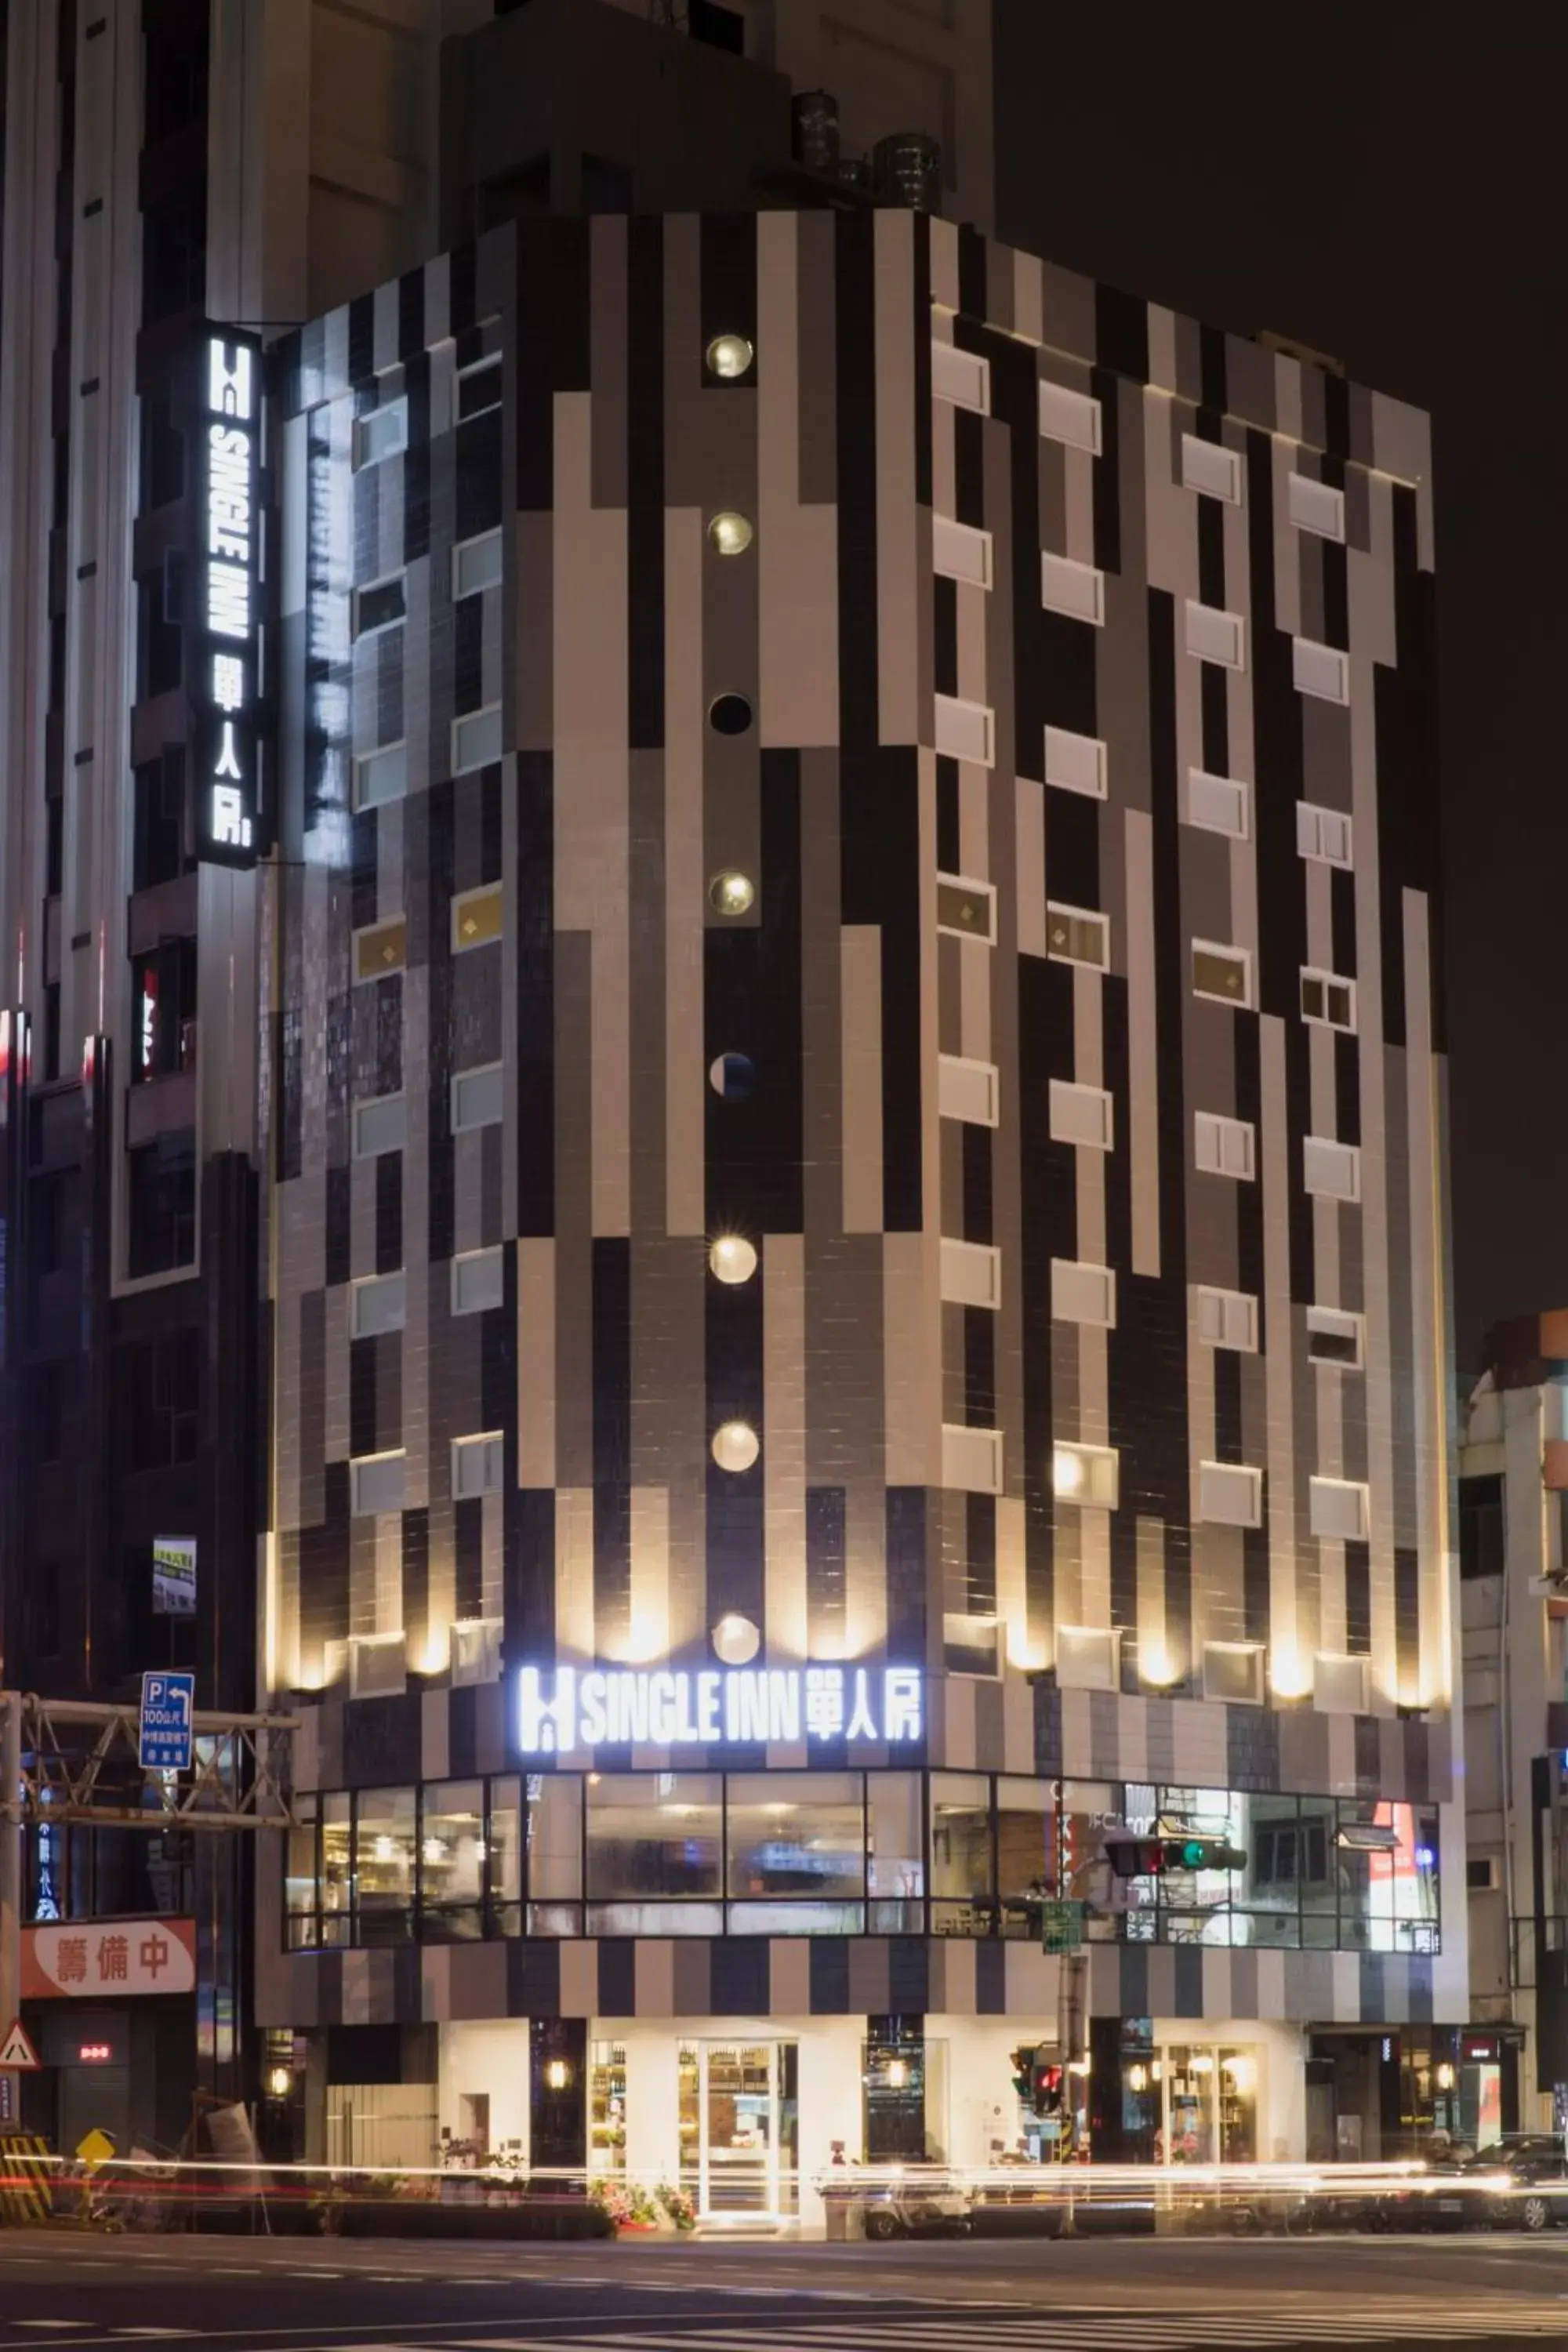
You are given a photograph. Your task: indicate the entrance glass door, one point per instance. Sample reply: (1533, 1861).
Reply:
(739, 2127)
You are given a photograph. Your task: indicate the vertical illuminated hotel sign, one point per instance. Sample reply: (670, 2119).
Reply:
(226, 672)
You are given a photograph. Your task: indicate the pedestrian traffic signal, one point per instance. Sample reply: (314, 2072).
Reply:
(1037, 2083)
(1148, 1857)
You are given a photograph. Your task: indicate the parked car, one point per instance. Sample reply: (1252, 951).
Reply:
(1518, 2183)
(919, 2201)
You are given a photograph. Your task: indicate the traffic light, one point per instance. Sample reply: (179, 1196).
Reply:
(1037, 2083)
(1148, 1857)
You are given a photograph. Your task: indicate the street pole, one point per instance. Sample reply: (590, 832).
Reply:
(10, 1858)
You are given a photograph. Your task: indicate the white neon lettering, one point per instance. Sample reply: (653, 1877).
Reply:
(230, 825)
(662, 1711)
(228, 601)
(709, 1684)
(742, 1705)
(593, 1714)
(228, 384)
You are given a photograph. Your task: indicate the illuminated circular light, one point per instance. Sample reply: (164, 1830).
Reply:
(731, 893)
(280, 2081)
(730, 356)
(735, 1446)
(732, 1076)
(736, 1640)
(1067, 1472)
(728, 714)
(730, 533)
(733, 1259)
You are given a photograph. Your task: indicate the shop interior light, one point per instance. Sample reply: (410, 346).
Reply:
(557, 2074)
(1444, 2076)
(897, 2074)
(280, 2081)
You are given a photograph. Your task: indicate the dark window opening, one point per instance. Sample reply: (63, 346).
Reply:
(52, 1030)
(1481, 1545)
(721, 27)
(47, 1386)
(53, 844)
(607, 186)
(175, 83)
(162, 1393)
(162, 453)
(163, 1204)
(41, 1610)
(160, 849)
(522, 194)
(47, 1222)
(57, 679)
(163, 1009)
(60, 512)
(175, 255)
(379, 607)
(478, 389)
(160, 642)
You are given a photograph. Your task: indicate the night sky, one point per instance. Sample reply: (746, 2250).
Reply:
(1386, 184)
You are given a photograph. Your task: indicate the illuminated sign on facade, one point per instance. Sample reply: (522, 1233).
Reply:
(714, 1707)
(227, 682)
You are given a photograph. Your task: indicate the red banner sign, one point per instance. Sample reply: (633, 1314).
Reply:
(104, 1960)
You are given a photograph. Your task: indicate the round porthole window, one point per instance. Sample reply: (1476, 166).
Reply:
(736, 1640)
(730, 714)
(733, 1259)
(730, 533)
(730, 356)
(735, 1446)
(731, 894)
(732, 1076)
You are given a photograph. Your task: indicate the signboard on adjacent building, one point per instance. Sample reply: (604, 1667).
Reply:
(225, 682)
(99, 1959)
(174, 1576)
(1061, 1926)
(168, 1707)
(861, 1707)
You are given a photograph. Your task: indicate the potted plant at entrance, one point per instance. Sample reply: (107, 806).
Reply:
(678, 2205)
(630, 2210)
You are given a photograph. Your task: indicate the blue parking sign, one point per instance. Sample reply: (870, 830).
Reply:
(167, 1702)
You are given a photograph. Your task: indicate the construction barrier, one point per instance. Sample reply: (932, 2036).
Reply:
(27, 2169)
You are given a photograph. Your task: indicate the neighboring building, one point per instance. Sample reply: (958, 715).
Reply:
(1513, 1565)
(858, 1224)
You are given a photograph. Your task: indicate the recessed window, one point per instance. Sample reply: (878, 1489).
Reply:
(732, 1076)
(731, 894)
(961, 377)
(1320, 670)
(380, 606)
(478, 1281)
(477, 564)
(381, 776)
(730, 356)
(1076, 590)
(1330, 1171)
(1334, 1336)
(960, 552)
(478, 387)
(382, 434)
(1081, 1115)
(1230, 1495)
(1078, 935)
(477, 1099)
(1210, 467)
(1224, 1147)
(1070, 417)
(376, 1305)
(964, 730)
(1233, 1672)
(1083, 1293)
(1075, 763)
(375, 1484)
(730, 533)
(1224, 973)
(1337, 1508)
(970, 1459)
(379, 1126)
(968, 909)
(1317, 506)
(736, 1445)
(1324, 833)
(1340, 1685)
(730, 714)
(970, 1273)
(967, 1090)
(382, 949)
(1227, 1318)
(1217, 803)
(733, 1258)
(1088, 1657)
(1215, 637)
(1087, 1475)
(476, 740)
(477, 1464)
(1328, 999)
(476, 918)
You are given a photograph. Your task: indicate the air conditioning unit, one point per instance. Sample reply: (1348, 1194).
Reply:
(475, 1650)
(377, 1666)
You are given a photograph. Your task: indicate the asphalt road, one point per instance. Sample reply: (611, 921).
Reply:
(243, 2294)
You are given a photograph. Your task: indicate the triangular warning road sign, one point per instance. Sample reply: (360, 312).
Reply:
(16, 2050)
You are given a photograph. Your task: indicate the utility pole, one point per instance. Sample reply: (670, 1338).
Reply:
(10, 1858)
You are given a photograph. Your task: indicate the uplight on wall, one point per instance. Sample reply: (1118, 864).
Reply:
(557, 2075)
(1156, 1666)
(1290, 1674)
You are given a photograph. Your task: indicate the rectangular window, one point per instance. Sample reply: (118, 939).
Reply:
(1210, 467)
(476, 740)
(375, 1484)
(382, 949)
(477, 1099)
(385, 1860)
(1482, 1550)
(960, 552)
(378, 1665)
(1213, 636)
(383, 433)
(476, 918)
(1334, 1336)
(477, 564)
(1337, 1508)
(966, 908)
(1072, 418)
(379, 1126)
(970, 1459)
(381, 776)
(1340, 1685)
(1218, 804)
(970, 1273)
(1089, 1475)
(478, 387)
(1230, 1495)
(1224, 973)
(1317, 506)
(657, 1837)
(163, 1203)
(1077, 590)
(967, 1090)
(1078, 935)
(1082, 1115)
(378, 1304)
(970, 1643)
(1331, 1169)
(1327, 999)
(1224, 1147)
(1082, 1292)
(452, 1858)
(380, 606)
(479, 1282)
(964, 730)
(961, 377)
(1233, 1672)
(1324, 833)
(1075, 763)
(962, 1854)
(1088, 1658)
(1227, 1318)
(477, 1464)
(804, 1841)
(1321, 670)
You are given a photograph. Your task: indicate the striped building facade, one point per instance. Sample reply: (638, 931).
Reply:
(856, 1090)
